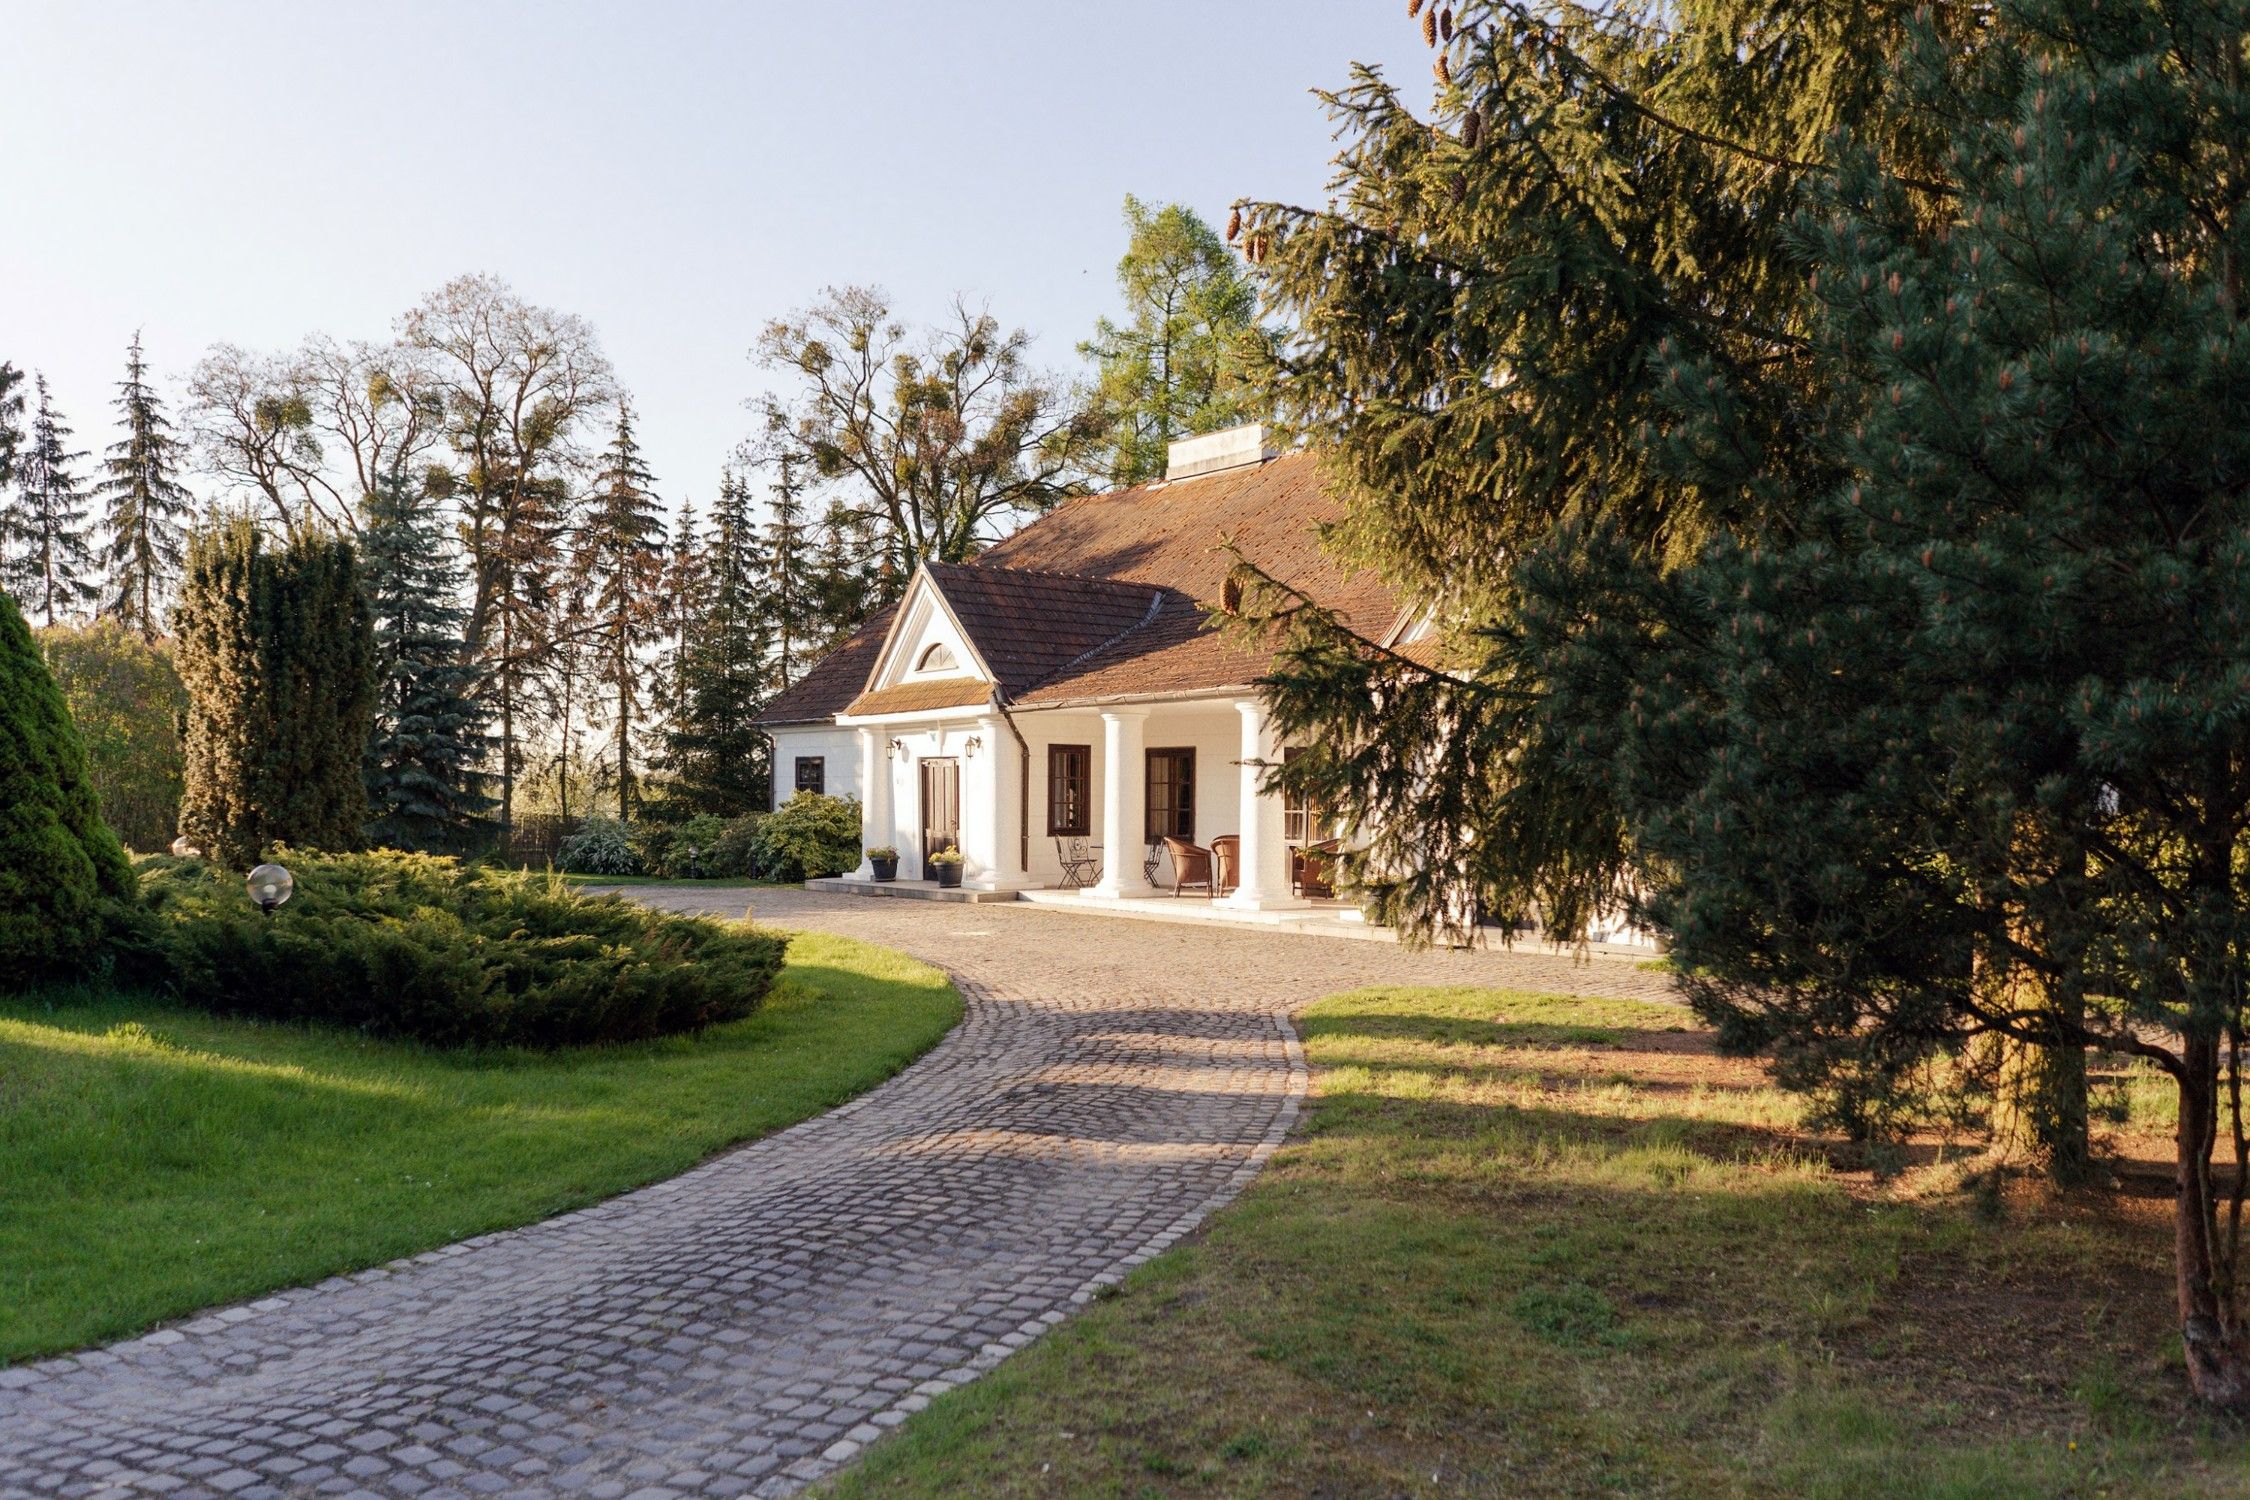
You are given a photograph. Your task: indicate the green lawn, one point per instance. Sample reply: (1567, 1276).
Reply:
(155, 1160)
(1532, 1246)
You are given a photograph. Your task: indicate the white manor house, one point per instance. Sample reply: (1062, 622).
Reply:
(1063, 711)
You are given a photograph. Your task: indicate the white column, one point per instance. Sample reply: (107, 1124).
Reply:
(874, 797)
(990, 828)
(1263, 882)
(1124, 810)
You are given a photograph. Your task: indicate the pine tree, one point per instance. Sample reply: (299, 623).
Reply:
(719, 758)
(621, 556)
(429, 741)
(1188, 356)
(276, 649)
(145, 502)
(1871, 592)
(52, 568)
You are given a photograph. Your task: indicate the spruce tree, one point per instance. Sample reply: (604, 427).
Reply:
(789, 584)
(1884, 621)
(11, 423)
(686, 585)
(145, 503)
(429, 741)
(276, 650)
(51, 567)
(621, 557)
(64, 880)
(719, 759)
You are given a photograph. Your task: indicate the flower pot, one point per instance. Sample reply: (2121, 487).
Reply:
(885, 869)
(948, 875)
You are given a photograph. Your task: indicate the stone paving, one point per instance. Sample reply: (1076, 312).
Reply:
(746, 1327)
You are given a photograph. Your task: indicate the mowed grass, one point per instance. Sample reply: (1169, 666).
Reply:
(154, 1160)
(1535, 1246)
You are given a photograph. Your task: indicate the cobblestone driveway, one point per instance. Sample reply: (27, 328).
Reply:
(748, 1326)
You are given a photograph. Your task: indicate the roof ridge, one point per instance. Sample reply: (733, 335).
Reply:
(978, 567)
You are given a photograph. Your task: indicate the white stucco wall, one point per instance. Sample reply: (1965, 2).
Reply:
(838, 747)
(1213, 730)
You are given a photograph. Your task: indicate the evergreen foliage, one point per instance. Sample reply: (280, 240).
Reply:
(48, 562)
(801, 611)
(621, 558)
(276, 649)
(11, 433)
(1186, 358)
(414, 945)
(64, 881)
(423, 779)
(145, 504)
(719, 758)
(128, 705)
(1856, 544)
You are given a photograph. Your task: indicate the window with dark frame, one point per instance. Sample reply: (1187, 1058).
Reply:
(1171, 794)
(812, 773)
(1301, 822)
(1070, 790)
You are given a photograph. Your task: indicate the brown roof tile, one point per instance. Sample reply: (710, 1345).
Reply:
(836, 679)
(1029, 625)
(1061, 610)
(907, 697)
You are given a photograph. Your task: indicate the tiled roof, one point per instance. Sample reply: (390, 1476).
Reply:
(1030, 625)
(1062, 610)
(836, 679)
(907, 697)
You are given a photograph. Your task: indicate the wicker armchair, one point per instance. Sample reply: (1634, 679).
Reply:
(1312, 869)
(1191, 864)
(1226, 862)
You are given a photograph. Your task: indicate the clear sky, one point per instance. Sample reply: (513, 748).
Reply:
(677, 171)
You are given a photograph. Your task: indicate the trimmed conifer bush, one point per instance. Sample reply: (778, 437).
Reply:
(419, 946)
(64, 879)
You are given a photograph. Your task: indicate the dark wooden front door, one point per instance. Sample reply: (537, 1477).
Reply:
(941, 810)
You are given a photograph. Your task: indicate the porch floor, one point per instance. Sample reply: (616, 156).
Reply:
(908, 890)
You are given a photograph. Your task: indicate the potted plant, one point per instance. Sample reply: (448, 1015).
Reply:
(885, 860)
(947, 863)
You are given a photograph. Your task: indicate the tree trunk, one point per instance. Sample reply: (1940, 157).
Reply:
(2039, 1092)
(2218, 1355)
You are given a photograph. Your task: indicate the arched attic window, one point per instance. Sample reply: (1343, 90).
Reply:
(938, 658)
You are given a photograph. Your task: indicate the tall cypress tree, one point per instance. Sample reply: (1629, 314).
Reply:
(621, 556)
(719, 759)
(145, 502)
(50, 567)
(429, 740)
(276, 649)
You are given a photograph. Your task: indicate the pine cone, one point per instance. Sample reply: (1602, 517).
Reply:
(1443, 70)
(1472, 129)
(1413, 8)
(1234, 223)
(1445, 23)
(1429, 28)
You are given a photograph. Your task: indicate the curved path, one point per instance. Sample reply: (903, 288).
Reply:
(746, 1327)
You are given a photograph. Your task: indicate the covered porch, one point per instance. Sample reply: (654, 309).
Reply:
(1118, 802)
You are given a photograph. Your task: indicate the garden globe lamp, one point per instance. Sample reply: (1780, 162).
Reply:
(270, 885)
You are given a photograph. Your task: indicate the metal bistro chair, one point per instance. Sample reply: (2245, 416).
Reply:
(1081, 867)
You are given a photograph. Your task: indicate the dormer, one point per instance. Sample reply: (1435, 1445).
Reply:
(928, 661)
